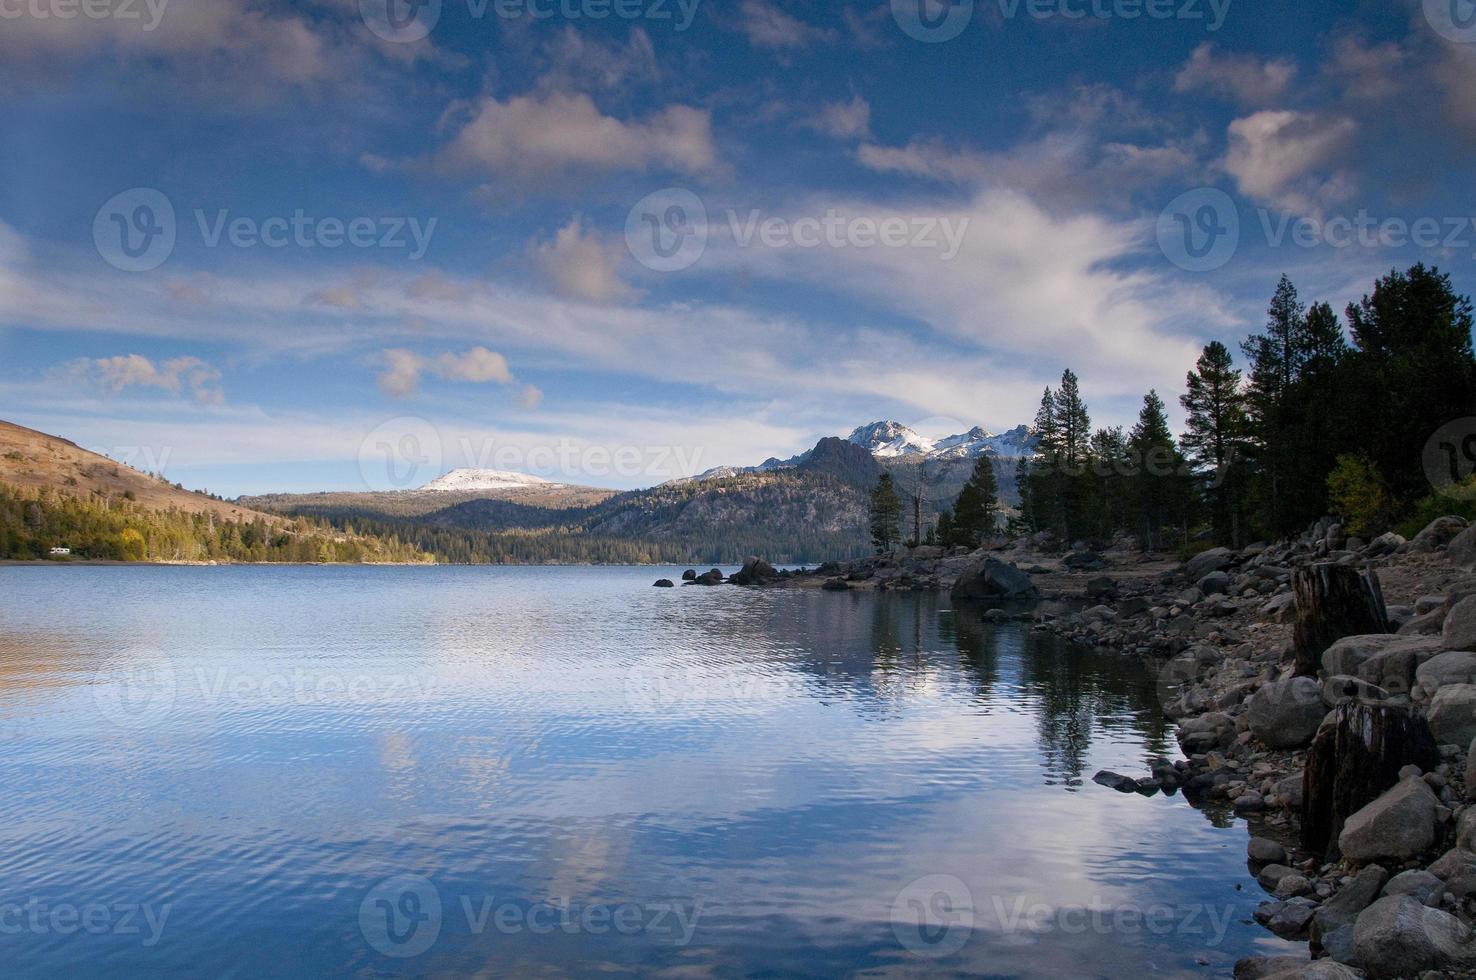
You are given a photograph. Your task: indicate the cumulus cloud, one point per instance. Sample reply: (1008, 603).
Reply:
(231, 48)
(583, 265)
(843, 120)
(403, 369)
(176, 376)
(1288, 158)
(549, 134)
(1245, 78)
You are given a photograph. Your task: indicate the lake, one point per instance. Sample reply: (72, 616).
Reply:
(376, 771)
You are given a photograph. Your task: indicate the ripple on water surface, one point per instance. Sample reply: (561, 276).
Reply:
(273, 766)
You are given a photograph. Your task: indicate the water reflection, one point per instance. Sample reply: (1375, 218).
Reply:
(571, 739)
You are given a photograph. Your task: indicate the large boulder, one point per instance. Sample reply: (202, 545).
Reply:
(1383, 659)
(994, 579)
(755, 571)
(1438, 533)
(1396, 827)
(1398, 936)
(1452, 714)
(1285, 714)
(1459, 631)
(1462, 548)
(1205, 562)
(1451, 667)
(1344, 908)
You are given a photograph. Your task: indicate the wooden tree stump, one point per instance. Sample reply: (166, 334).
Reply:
(1333, 601)
(1355, 759)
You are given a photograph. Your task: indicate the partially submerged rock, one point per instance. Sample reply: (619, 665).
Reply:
(994, 579)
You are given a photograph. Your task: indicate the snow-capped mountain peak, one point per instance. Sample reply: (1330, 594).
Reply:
(890, 439)
(463, 480)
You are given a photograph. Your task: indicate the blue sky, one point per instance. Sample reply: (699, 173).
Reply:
(271, 246)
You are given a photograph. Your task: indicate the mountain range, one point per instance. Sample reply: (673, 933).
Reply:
(890, 441)
(809, 507)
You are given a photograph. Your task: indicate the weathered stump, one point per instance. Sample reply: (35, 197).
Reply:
(1353, 760)
(1333, 601)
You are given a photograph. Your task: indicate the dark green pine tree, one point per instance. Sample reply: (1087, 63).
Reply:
(1214, 405)
(1275, 362)
(976, 512)
(1412, 372)
(1025, 521)
(1159, 487)
(886, 515)
(1073, 422)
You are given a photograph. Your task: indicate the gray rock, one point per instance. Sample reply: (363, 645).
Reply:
(1205, 562)
(1471, 771)
(1381, 658)
(1454, 863)
(1385, 544)
(1451, 667)
(994, 579)
(1421, 886)
(1437, 534)
(1285, 714)
(1271, 875)
(1293, 968)
(1291, 886)
(1429, 603)
(1462, 548)
(1459, 631)
(1292, 919)
(1280, 609)
(1396, 827)
(1399, 937)
(1116, 780)
(1342, 909)
(1099, 614)
(1424, 624)
(1452, 714)
(1338, 945)
(665, 583)
(1215, 583)
(1264, 851)
(1289, 791)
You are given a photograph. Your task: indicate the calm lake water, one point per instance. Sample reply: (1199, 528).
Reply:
(255, 771)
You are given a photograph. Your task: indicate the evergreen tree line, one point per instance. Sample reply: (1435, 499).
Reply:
(1327, 415)
(32, 523)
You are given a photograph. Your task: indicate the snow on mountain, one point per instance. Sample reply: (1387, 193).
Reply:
(462, 480)
(893, 440)
(888, 440)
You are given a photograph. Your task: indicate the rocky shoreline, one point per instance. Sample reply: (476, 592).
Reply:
(1388, 890)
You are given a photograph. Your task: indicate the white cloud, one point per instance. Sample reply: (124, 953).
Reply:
(766, 25)
(1246, 78)
(583, 265)
(843, 120)
(1291, 159)
(547, 135)
(403, 369)
(115, 374)
(226, 48)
